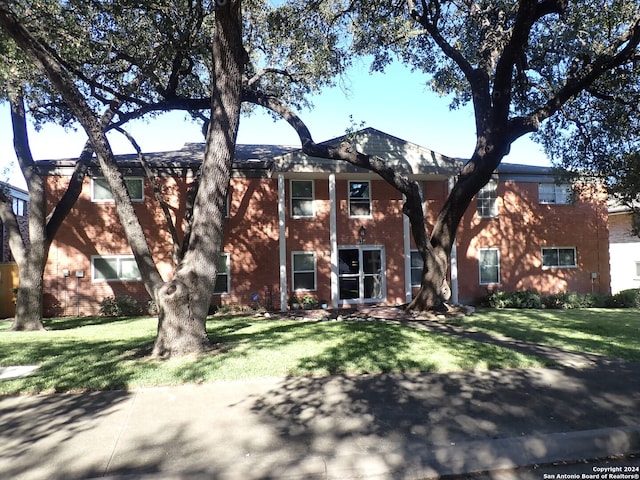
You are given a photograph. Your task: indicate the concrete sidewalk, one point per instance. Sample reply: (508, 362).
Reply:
(397, 426)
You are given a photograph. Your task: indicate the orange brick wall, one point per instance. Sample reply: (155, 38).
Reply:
(522, 228)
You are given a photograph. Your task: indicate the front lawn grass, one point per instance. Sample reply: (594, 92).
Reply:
(98, 353)
(609, 332)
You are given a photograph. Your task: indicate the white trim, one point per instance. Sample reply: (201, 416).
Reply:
(453, 264)
(333, 240)
(294, 271)
(119, 278)
(313, 197)
(406, 237)
(282, 243)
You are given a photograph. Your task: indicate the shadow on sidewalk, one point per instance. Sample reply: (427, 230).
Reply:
(405, 418)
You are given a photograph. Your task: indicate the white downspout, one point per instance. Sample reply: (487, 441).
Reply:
(406, 235)
(333, 239)
(454, 260)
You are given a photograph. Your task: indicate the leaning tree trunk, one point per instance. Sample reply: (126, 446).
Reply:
(184, 302)
(434, 287)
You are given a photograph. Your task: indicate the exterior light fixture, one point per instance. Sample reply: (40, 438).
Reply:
(362, 233)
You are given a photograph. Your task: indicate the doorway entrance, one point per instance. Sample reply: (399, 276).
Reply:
(361, 274)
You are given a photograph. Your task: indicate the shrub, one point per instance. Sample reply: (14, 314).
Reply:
(525, 299)
(627, 298)
(120, 306)
(564, 300)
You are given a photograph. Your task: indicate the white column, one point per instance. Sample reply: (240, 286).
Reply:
(333, 239)
(406, 235)
(283, 243)
(454, 260)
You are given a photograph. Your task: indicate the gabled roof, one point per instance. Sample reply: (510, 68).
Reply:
(264, 160)
(406, 157)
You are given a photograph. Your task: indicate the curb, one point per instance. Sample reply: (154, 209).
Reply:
(467, 458)
(522, 452)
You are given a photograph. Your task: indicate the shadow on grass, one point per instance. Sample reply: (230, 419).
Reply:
(265, 348)
(608, 332)
(68, 323)
(74, 365)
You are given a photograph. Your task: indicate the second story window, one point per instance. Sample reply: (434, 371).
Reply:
(488, 200)
(100, 191)
(554, 194)
(19, 206)
(302, 198)
(359, 199)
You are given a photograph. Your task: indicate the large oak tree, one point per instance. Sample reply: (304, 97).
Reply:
(519, 63)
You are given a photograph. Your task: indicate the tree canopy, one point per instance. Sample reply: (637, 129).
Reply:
(519, 63)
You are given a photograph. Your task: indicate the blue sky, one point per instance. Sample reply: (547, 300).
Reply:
(397, 102)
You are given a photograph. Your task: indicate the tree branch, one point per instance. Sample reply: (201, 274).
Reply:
(157, 192)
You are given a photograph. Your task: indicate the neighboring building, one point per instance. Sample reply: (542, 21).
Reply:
(306, 225)
(8, 269)
(624, 249)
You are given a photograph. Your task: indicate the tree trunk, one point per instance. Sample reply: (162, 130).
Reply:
(181, 330)
(434, 288)
(29, 297)
(184, 302)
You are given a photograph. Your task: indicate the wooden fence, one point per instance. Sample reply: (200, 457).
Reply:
(8, 281)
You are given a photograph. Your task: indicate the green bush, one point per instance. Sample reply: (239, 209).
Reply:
(525, 299)
(120, 306)
(627, 298)
(564, 300)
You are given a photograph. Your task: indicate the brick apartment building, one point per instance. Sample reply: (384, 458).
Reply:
(301, 225)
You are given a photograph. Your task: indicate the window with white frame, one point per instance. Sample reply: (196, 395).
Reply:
(489, 264)
(302, 196)
(558, 257)
(416, 268)
(114, 268)
(100, 191)
(487, 199)
(637, 269)
(360, 198)
(18, 205)
(552, 193)
(304, 270)
(223, 279)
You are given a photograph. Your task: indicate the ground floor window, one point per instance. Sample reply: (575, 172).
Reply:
(417, 266)
(489, 265)
(222, 275)
(559, 257)
(304, 270)
(361, 273)
(114, 268)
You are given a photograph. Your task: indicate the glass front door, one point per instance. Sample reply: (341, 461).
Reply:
(361, 274)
